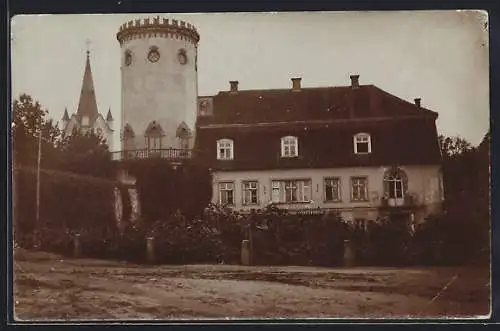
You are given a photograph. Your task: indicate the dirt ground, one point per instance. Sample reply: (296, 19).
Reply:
(49, 287)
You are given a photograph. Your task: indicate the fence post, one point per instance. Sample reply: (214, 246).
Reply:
(245, 252)
(77, 250)
(349, 255)
(150, 249)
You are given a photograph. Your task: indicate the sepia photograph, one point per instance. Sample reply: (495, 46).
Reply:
(276, 166)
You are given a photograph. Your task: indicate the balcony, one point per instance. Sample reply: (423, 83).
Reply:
(174, 155)
(409, 201)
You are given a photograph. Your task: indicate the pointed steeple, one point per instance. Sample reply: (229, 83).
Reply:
(87, 106)
(65, 116)
(109, 117)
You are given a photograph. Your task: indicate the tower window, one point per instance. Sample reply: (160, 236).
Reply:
(154, 134)
(85, 121)
(128, 57)
(184, 135)
(154, 54)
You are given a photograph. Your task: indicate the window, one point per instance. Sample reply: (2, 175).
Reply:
(291, 191)
(395, 182)
(184, 135)
(153, 142)
(128, 137)
(250, 193)
(85, 121)
(289, 146)
(332, 189)
(359, 189)
(154, 134)
(362, 143)
(225, 149)
(226, 193)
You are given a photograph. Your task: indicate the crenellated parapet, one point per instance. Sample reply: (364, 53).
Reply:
(157, 27)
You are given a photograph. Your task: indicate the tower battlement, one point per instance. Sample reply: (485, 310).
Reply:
(157, 27)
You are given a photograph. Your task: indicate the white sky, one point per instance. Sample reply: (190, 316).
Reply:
(440, 56)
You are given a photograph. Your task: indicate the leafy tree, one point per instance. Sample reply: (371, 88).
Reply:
(28, 119)
(453, 146)
(85, 153)
(466, 184)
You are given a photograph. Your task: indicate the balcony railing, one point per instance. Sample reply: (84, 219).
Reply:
(407, 201)
(171, 154)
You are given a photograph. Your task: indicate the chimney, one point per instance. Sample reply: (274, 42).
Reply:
(234, 85)
(296, 83)
(417, 102)
(354, 81)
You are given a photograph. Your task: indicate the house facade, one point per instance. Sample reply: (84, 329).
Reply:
(87, 116)
(355, 149)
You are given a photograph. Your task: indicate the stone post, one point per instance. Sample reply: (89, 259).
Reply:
(77, 249)
(349, 253)
(150, 249)
(245, 252)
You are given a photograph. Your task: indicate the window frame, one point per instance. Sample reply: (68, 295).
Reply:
(229, 147)
(301, 187)
(225, 189)
(85, 120)
(391, 179)
(152, 141)
(245, 189)
(339, 189)
(287, 142)
(366, 194)
(362, 136)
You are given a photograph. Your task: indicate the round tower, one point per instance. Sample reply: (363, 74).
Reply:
(159, 83)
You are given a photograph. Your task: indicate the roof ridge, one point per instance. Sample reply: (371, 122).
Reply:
(291, 90)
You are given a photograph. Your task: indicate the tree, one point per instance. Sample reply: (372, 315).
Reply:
(85, 153)
(453, 146)
(28, 119)
(466, 183)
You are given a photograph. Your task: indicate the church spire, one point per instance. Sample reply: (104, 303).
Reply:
(87, 105)
(65, 116)
(109, 117)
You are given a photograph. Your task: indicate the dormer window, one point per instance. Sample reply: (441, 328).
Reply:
(362, 143)
(289, 146)
(225, 149)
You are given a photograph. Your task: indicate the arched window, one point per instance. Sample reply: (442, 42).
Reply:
(395, 184)
(362, 143)
(289, 146)
(184, 135)
(128, 137)
(225, 149)
(154, 134)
